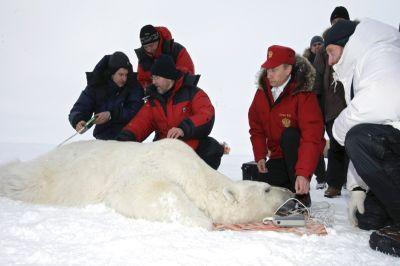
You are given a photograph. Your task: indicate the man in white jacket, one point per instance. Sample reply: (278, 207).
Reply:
(366, 59)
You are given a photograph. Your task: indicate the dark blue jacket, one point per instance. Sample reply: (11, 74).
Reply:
(102, 94)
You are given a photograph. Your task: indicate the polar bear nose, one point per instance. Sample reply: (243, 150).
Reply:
(267, 189)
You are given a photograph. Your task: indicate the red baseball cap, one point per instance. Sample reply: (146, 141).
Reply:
(278, 55)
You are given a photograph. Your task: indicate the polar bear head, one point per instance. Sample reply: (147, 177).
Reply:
(249, 201)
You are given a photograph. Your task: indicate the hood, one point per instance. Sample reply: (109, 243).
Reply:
(303, 74)
(164, 33)
(101, 73)
(307, 53)
(369, 33)
(165, 40)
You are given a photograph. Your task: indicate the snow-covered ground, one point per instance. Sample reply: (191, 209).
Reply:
(95, 235)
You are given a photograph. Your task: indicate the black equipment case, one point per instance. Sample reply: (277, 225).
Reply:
(250, 172)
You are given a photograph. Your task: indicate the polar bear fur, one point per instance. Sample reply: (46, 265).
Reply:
(161, 181)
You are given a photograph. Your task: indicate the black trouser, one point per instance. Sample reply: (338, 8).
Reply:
(375, 152)
(338, 162)
(210, 151)
(281, 172)
(320, 171)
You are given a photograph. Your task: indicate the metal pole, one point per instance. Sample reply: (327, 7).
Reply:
(88, 125)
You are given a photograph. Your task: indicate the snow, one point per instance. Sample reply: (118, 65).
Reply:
(95, 235)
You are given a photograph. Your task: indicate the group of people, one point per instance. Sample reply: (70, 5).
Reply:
(330, 94)
(345, 84)
(162, 97)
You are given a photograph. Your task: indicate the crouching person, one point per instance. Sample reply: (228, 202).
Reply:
(366, 59)
(112, 93)
(175, 109)
(286, 120)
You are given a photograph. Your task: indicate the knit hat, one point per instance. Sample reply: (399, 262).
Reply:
(149, 34)
(118, 60)
(278, 55)
(164, 67)
(316, 39)
(340, 12)
(340, 33)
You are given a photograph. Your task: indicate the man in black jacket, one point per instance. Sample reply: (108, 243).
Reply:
(333, 102)
(112, 94)
(316, 44)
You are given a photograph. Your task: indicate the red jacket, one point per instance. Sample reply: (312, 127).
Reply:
(295, 108)
(166, 45)
(187, 107)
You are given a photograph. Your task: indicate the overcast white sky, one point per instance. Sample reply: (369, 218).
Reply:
(46, 46)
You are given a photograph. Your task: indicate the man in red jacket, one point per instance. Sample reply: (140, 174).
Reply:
(155, 42)
(285, 119)
(176, 109)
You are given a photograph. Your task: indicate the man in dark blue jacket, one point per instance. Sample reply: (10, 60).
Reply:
(112, 94)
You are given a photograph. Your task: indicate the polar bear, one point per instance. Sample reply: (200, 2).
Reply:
(162, 181)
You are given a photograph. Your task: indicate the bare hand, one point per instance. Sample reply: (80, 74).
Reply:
(79, 126)
(175, 133)
(102, 117)
(226, 147)
(302, 185)
(261, 166)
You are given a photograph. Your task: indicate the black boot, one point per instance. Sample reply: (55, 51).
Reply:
(386, 240)
(305, 199)
(375, 216)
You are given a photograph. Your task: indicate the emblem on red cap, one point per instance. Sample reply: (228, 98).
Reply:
(278, 55)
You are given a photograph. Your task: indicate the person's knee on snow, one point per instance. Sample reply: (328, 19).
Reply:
(374, 216)
(290, 140)
(211, 151)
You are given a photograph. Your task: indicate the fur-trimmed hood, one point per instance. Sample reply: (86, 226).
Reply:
(303, 74)
(307, 53)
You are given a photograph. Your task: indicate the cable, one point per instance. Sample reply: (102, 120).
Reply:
(321, 212)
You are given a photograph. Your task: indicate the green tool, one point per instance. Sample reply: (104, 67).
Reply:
(87, 125)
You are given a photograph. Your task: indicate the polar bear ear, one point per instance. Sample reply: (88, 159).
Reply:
(229, 195)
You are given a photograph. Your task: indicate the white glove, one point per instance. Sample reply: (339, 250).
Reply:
(356, 203)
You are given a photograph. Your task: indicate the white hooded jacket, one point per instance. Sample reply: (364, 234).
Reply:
(371, 60)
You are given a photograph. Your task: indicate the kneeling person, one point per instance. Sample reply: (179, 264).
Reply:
(175, 109)
(366, 59)
(286, 120)
(112, 94)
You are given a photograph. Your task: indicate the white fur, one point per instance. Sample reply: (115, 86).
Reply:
(160, 181)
